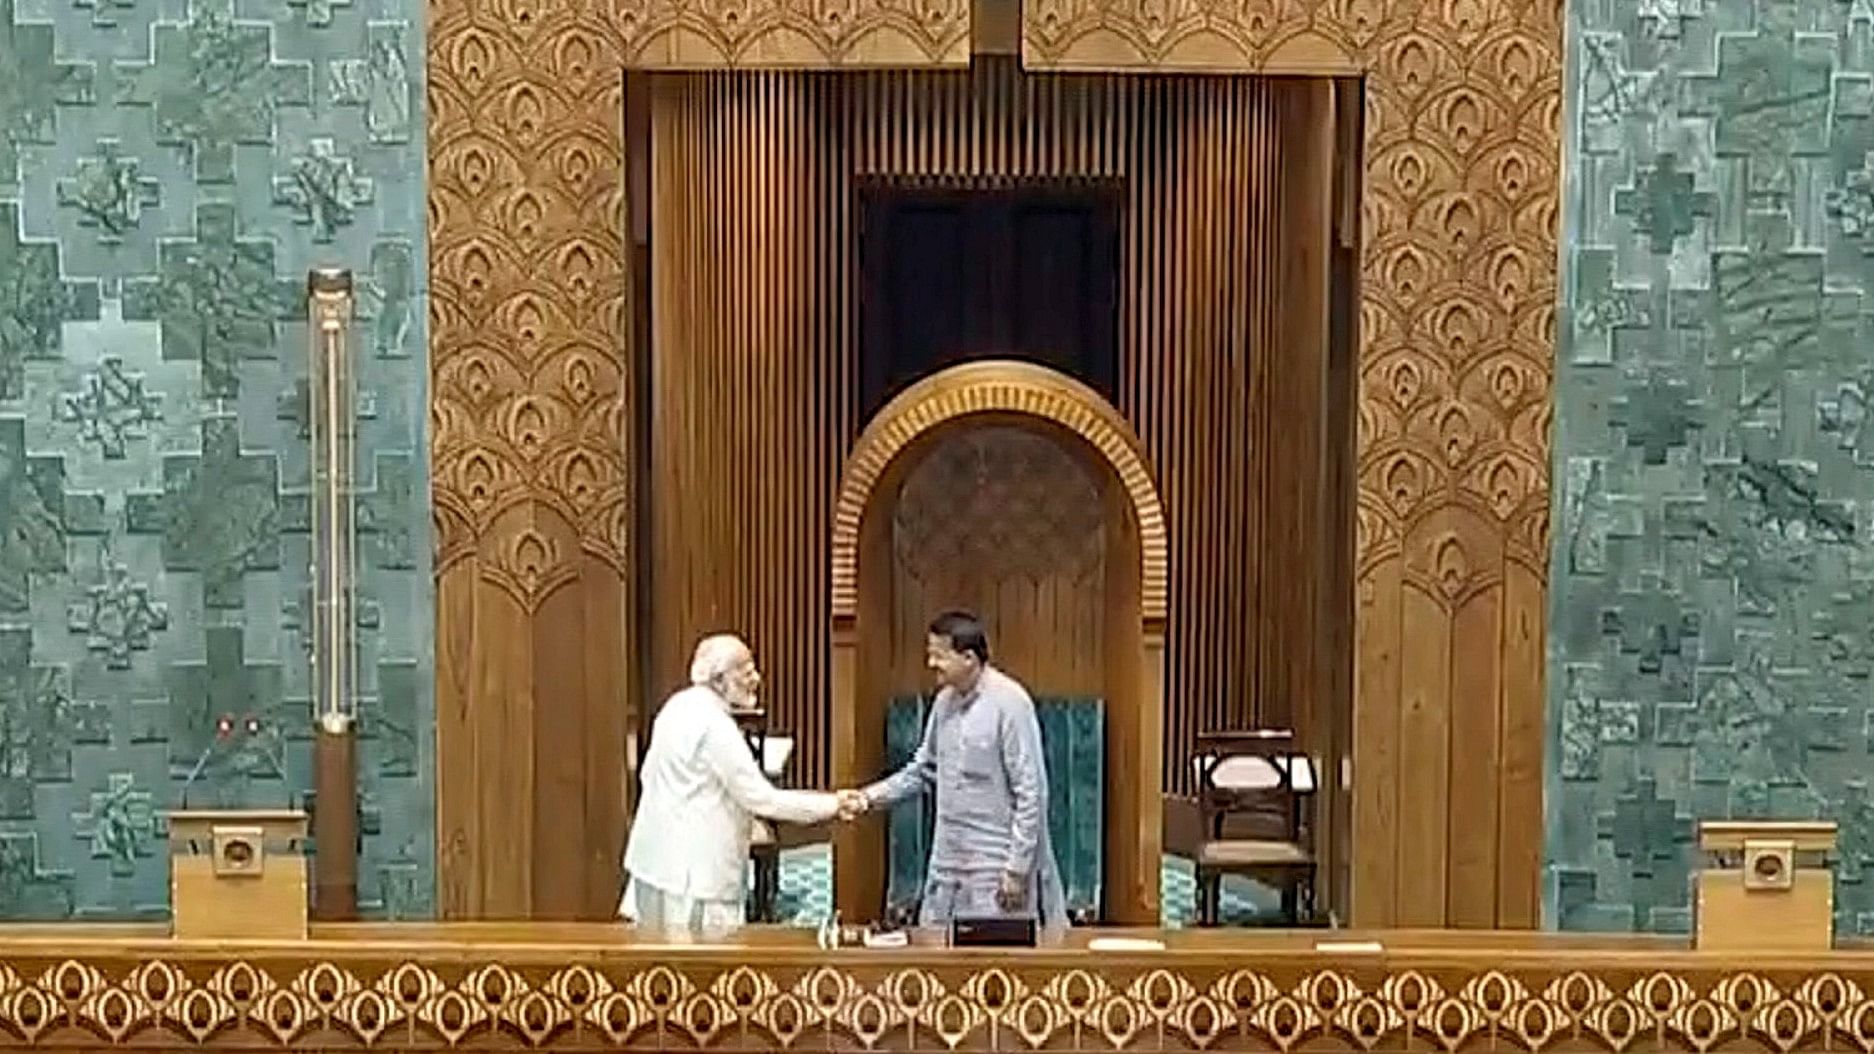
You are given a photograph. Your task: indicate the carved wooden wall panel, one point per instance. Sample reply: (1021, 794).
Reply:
(1458, 287)
(1456, 314)
(1311, 37)
(530, 399)
(1458, 321)
(1005, 522)
(794, 34)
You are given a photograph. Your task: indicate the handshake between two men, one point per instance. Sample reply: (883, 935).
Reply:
(1011, 888)
(852, 805)
(980, 757)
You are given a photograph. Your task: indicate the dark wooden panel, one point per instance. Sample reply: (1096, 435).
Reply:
(751, 380)
(1018, 270)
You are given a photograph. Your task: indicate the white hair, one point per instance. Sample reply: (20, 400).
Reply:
(715, 656)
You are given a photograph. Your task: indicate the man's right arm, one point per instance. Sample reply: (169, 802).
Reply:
(734, 765)
(916, 777)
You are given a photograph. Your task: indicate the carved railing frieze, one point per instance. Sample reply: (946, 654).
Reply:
(707, 999)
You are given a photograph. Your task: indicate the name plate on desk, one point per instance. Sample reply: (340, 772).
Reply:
(992, 933)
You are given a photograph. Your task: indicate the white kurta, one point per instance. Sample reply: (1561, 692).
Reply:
(700, 790)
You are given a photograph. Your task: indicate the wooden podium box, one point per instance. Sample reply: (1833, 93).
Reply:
(238, 873)
(1767, 886)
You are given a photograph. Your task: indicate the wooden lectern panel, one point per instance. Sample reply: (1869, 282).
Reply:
(238, 874)
(1732, 918)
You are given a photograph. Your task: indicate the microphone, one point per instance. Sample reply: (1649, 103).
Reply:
(226, 728)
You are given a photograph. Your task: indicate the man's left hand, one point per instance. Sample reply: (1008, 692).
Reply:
(1012, 891)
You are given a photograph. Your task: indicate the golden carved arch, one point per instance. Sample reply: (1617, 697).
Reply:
(997, 386)
(1133, 623)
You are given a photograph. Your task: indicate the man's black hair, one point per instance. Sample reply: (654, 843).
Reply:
(964, 631)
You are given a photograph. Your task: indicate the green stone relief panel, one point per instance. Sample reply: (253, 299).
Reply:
(1712, 590)
(169, 170)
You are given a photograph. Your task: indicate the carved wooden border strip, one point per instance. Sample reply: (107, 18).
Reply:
(794, 34)
(370, 999)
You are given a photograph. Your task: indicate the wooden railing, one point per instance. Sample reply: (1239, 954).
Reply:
(576, 987)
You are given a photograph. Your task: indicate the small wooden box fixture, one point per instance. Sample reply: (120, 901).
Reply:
(1766, 886)
(237, 873)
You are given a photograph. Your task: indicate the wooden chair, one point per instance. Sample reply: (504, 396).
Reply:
(1253, 790)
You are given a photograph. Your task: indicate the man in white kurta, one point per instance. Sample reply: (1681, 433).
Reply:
(700, 790)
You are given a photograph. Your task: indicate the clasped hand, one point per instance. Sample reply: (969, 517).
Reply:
(852, 804)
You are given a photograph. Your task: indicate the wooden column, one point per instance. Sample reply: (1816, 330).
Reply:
(532, 397)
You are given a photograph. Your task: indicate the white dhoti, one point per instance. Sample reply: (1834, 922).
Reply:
(679, 918)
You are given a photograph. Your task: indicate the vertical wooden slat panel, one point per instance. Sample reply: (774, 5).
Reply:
(1339, 610)
(750, 378)
(1420, 870)
(1209, 167)
(557, 762)
(1476, 743)
(1378, 723)
(1519, 754)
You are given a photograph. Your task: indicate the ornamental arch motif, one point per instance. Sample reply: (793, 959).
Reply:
(997, 386)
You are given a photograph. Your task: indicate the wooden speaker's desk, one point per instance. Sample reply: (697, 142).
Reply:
(590, 987)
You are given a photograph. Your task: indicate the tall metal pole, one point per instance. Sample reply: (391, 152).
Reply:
(334, 591)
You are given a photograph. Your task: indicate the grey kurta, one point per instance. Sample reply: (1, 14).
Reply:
(981, 755)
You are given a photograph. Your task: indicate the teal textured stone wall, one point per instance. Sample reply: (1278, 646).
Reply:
(1712, 594)
(169, 169)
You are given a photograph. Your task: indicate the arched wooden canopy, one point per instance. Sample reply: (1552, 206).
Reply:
(997, 386)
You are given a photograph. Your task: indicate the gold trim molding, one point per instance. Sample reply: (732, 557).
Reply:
(988, 387)
(1294, 38)
(171, 1003)
(793, 34)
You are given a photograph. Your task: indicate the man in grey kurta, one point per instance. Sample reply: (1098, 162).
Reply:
(981, 755)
